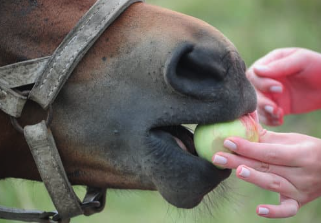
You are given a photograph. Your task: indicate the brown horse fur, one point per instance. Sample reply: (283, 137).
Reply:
(107, 117)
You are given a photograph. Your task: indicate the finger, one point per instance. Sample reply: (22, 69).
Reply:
(278, 154)
(263, 119)
(280, 138)
(267, 181)
(264, 84)
(233, 161)
(276, 55)
(273, 115)
(269, 120)
(283, 67)
(285, 209)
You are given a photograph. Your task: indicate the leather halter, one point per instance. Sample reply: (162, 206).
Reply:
(48, 75)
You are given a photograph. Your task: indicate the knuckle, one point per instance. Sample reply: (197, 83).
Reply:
(304, 197)
(264, 167)
(271, 155)
(274, 185)
(311, 182)
(306, 152)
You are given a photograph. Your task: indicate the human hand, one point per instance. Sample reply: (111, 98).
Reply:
(286, 163)
(287, 81)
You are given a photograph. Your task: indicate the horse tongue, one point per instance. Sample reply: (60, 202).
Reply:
(180, 143)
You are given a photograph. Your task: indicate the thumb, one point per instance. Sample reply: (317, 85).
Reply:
(290, 65)
(279, 138)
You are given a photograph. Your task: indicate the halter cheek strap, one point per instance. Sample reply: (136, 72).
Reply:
(49, 75)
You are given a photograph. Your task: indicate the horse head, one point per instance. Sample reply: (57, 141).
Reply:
(118, 120)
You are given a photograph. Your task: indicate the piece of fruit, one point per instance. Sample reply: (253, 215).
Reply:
(209, 139)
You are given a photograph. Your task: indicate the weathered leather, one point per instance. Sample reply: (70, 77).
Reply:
(17, 75)
(11, 102)
(26, 215)
(51, 74)
(93, 202)
(74, 47)
(23, 73)
(50, 167)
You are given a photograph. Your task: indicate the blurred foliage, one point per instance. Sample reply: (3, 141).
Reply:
(258, 26)
(255, 27)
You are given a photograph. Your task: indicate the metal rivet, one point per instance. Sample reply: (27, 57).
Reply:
(3, 94)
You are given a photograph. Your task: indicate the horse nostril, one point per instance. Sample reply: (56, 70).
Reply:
(195, 72)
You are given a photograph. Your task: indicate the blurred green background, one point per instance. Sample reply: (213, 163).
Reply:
(255, 27)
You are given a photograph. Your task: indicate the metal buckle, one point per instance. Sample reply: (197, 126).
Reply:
(94, 200)
(17, 125)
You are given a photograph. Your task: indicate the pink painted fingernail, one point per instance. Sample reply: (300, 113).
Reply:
(269, 109)
(219, 160)
(230, 145)
(261, 68)
(244, 172)
(276, 89)
(263, 211)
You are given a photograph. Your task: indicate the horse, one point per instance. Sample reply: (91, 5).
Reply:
(118, 120)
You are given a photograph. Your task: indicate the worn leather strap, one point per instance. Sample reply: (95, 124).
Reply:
(50, 167)
(26, 215)
(23, 73)
(74, 47)
(16, 75)
(93, 202)
(11, 102)
(51, 74)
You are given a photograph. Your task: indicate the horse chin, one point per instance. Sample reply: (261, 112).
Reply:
(181, 177)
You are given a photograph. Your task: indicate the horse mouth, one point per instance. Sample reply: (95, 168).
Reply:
(183, 136)
(178, 173)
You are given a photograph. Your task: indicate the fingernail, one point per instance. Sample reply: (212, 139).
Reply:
(261, 68)
(269, 109)
(263, 211)
(276, 89)
(244, 172)
(230, 145)
(219, 160)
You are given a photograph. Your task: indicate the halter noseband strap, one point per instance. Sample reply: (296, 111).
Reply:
(49, 75)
